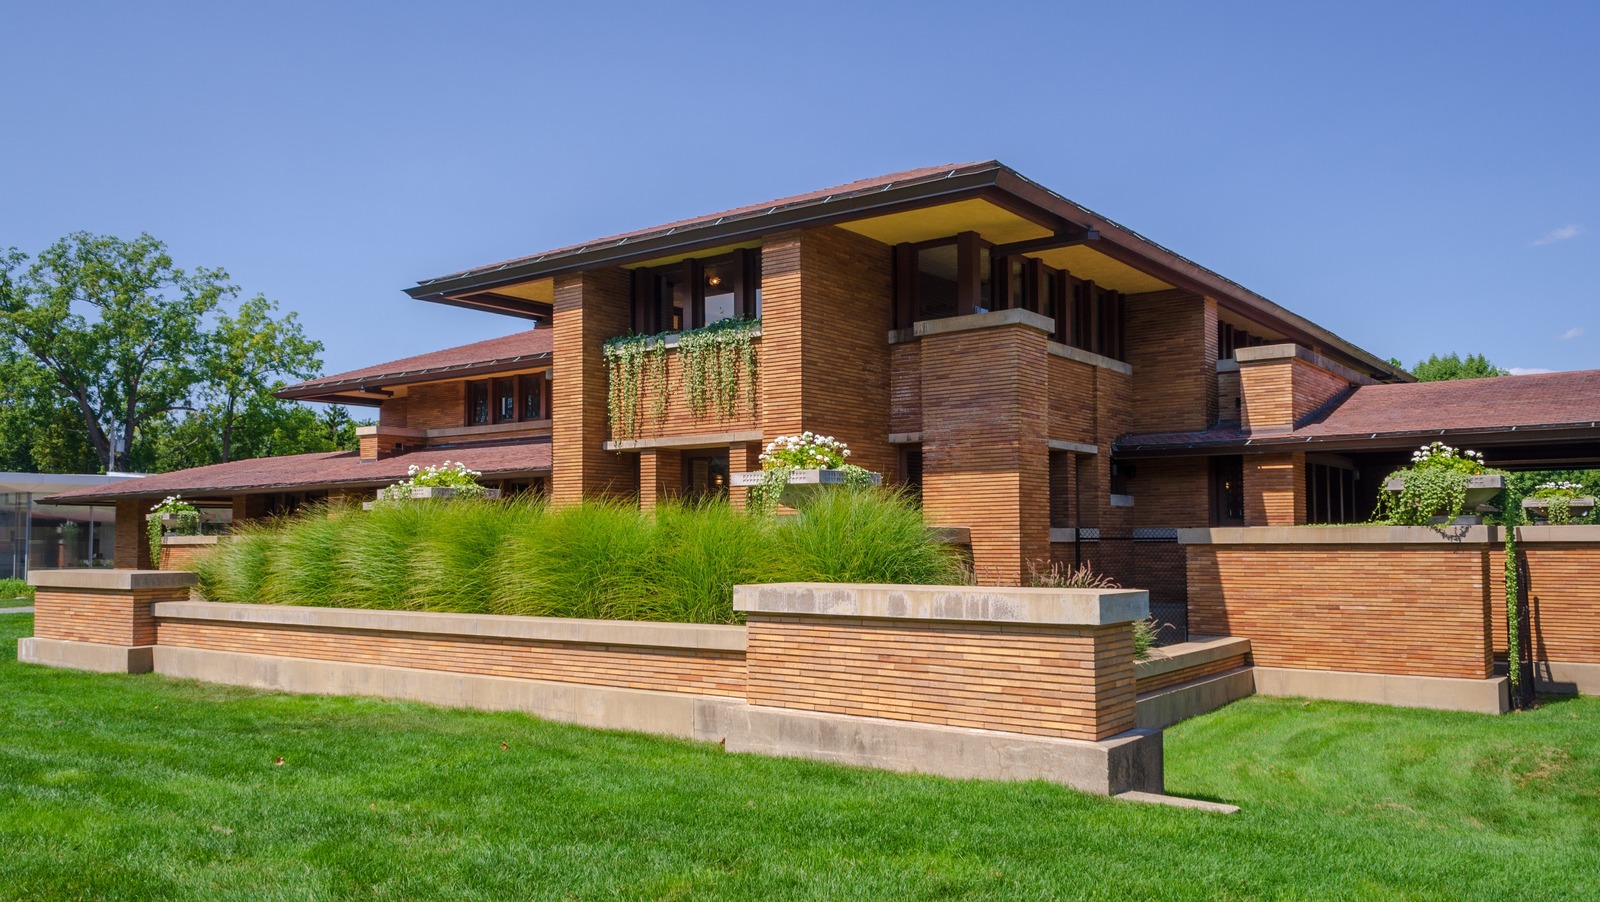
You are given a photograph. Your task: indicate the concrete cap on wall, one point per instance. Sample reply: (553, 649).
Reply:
(106, 580)
(1065, 607)
(1385, 535)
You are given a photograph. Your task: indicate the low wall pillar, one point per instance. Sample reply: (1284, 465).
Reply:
(98, 619)
(962, 681)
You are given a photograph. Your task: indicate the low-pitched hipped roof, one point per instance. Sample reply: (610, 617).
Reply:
(1531, 409)
(337, 469)
(519, 351)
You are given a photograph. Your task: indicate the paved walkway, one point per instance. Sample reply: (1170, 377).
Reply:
(16, 610)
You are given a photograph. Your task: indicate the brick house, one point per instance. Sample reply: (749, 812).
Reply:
(1060, 385)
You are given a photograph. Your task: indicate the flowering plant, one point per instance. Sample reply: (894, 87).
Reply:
(806, 451)
(446, 476)
(1561, 488)
(1439, 456)
(186, 521)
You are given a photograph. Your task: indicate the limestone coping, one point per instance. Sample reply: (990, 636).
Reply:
(1198, 650)
(190, 540)
(1290, 351)
(106, 580)
(1064, 607)
(700, 440)
(1386, 535)
(692, 636)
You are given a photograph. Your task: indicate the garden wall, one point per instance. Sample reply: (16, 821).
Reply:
(180, 552)
(1403, 614)
(960, 681)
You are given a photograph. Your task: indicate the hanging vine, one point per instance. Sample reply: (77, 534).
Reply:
(713, 364)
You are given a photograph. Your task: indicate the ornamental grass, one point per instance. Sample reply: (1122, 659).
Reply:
(604, 560)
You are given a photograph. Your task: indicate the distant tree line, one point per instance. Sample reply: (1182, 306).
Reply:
(113, 358)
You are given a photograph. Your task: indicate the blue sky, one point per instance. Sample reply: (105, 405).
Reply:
(1415, 177)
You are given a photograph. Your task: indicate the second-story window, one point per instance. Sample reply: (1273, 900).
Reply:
(509, 399)
(697, 292)
(477, 403)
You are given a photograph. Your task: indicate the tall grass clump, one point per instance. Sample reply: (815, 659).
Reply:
(870, 536)
(604, 560)
(455, 559)
(236, 571)
(701, 551)
(587, 561)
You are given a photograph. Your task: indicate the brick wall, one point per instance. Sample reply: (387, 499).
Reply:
(985, 459)
(660, 476)
(1279, 392)
(1172, 346)
(181, 557)
(826, 313)
(1229, 403)
(1372, 608)
(1275, 489)
(1078, 681)
(1563, 600)
(905, 387)
(659, 669)
(1073, 385)
(436, 405)
(1172, 493)
(1193, 672)
(589, 307)
(676, 419)
(92, 615)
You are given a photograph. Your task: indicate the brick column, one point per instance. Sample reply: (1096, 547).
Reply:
(131, 550)
(1275, 489)
(98, 619)
(743, 457)
(660, 476)
(985, 460)
(249, 507)
(589, 307)
(826, 305)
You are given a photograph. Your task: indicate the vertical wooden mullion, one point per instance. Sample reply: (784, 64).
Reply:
(905, 285)
(969, 276)
(1091, 300)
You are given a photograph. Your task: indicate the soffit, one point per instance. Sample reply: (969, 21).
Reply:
(993, 222)
(1086, 263)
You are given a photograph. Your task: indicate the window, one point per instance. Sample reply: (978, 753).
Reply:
(505, 400)
(911, 471)
(477, 403)
(936, 281)
(1331, 492)
(698, 292)
(509, 399)
(533, 403)
(1227, 491)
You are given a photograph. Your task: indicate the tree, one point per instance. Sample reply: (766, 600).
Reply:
(1439, 369)
(243, 354)
(39, 431)
(136, 355)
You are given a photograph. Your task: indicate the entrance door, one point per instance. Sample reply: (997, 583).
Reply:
(705, 474)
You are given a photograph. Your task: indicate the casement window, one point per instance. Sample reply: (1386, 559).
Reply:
(1230, 338)
(1331, 492)
(959, 275)
(508, 399)
(697, 292)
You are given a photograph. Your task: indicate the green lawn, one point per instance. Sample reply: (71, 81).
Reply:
(143, 787)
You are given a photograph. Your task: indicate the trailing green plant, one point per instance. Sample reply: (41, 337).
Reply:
(16, 590)
(713, 363)
(1435, 485)
(186, 522)
(1513, 606)
(626, 359)
(1558, 497)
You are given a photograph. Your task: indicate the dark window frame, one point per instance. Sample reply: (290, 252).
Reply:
(672, 297)
(490, 391)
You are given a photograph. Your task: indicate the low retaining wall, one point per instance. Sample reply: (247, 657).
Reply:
(1177, 682)
(959, 681)
(1331, 611)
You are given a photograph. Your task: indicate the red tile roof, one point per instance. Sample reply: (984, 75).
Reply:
(859, 186)
(1415, 410)
(1546, 399)
(508, 352)
(319, 471)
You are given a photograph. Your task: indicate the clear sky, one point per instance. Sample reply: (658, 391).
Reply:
(1415, 177)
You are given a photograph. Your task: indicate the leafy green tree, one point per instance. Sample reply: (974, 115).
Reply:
(39, 431)
(117, 325)
(244, 354)
(1440, 368)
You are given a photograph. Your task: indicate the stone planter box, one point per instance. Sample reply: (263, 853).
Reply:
(1480, 490)
(804, 485)
(437, 493)
(1539, 508)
